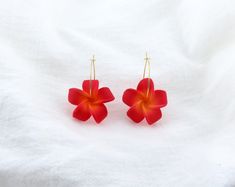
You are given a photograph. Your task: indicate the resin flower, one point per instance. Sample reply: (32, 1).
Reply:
(145, 102)
(90, 101)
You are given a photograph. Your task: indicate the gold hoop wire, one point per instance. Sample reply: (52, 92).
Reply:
(147, 62)
(92, 72)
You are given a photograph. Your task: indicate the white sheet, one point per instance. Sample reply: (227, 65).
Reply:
(45, 47)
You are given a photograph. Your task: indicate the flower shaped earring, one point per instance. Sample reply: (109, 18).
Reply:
(145, 102)
(90, 100)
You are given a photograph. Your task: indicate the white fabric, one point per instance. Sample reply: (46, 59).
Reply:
(45, 47)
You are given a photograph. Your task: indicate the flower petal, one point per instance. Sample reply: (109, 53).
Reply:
(160, 98)
(105, 95)
(92, 85)
(145, 84)
(99, 112)
(153, 115)
(76, 96)
(130, 97)
(135, 113)
(82, 112)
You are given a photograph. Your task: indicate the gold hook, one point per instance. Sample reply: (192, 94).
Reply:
(147, 62)
(92, 72)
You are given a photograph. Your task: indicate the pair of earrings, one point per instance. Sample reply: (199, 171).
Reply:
(144, 102)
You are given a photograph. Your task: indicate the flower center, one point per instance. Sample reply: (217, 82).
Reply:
(91, 99)
(145, 101)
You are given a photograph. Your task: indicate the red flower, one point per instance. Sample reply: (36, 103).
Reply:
(90, 101)
(145, 102)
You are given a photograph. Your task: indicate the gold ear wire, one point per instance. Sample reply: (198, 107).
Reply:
(92, 71)
(147, 62)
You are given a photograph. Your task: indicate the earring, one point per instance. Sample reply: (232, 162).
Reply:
(145, 102)
(90, 100)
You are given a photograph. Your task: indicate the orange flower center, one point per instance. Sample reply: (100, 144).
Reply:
(145, 102)
(91, 99)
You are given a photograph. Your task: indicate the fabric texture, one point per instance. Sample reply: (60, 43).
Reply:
(45, 49)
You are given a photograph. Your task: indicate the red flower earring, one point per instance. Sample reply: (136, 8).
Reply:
(90, 100)
(145, 102)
